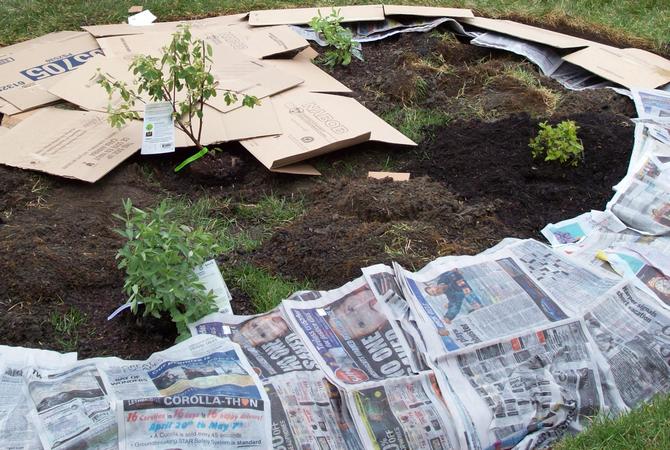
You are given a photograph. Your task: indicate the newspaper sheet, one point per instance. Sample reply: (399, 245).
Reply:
(70, 408)
(200, 394)
(577, 79)
(16, 431)
(405, 413)
(543, 56)
(532, 386)
(652, 104)
(351, 335)
(642, 200)
(574, 230)
(489, 296)
(632, 332)
(651, 139)
(642, 265)
(305, 411)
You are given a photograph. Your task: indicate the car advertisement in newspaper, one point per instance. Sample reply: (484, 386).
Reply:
(632, 331)
(536, 385)
(71, 408)
(350, 335)
(267, 340)
(405, 413)
(460, 306)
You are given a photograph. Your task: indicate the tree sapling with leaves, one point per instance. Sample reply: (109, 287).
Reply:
(340, 39)
(181, 76)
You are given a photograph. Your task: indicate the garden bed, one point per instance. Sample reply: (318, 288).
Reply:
(472, 110)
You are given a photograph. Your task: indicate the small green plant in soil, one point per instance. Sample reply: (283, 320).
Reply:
(340, 39)
(67, 328)
(558, 143)
(159, 258)
(182, 76)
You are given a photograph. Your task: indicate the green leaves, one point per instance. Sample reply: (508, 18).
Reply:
(559, 143)
(159, 258)
(338, 37)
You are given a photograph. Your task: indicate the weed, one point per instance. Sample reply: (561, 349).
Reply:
(420, 87)
(550, 98)
(40, 189)
(67, 328)
(340, 39)
(400, 245)
(559, 143)
(388, 165)
(266, 291)
(159, 258)
(182, 72)
(272, 211)
(413, 121)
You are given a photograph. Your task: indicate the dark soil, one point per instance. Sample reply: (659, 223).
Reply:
(473, 183)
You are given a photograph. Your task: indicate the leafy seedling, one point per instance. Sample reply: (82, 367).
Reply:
(339, 39)
(182, 76)
(559, 143)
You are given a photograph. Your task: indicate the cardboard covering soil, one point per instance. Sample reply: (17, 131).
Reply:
(426, 11)
(302, 16)
(121, 29)
(71, 144)
(315, 124)
(29, 69)
(314, 78)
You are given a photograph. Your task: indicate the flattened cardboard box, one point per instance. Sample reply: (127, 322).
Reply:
(632, 68)
(315, 124)
(72, 144)
(426, 11)
(528, 32)
(123, 29)
(255, 42)
(302, 16)
(26, 74)
(314, 78)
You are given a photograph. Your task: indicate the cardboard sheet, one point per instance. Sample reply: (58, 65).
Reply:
(27, 73)
(315, 124)
(426, 11)
(121, 29)
(314, 78)
(298, 169)
(631, 68)
(72, 144)
(395, 176)
(302, 16)
(528, 32)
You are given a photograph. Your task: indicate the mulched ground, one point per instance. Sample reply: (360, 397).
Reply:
(473, 183)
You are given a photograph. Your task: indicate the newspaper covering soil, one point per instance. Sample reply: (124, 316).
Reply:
(473, 183)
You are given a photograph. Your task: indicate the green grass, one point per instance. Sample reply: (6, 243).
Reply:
(23, 19)
(266, 291)
(67, 327)
(411, 121)
(646, 427)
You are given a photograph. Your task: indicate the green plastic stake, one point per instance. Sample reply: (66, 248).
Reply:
(191, 159)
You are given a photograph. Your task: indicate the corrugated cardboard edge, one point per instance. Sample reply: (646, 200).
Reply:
(302, 16)
(297, 169)
(426, 11)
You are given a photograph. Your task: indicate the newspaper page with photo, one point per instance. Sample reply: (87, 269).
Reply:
(200, 394)
(632, 331)
(543, 56)
(652, 104)
(305, 414)
(351, 335)
(267, 340)
(573, 285)
(16, 431)
(70, 407)
(488, 297)
(573, 230)
(405, 413)
(651, 138)
(534, 386)
(642, 200)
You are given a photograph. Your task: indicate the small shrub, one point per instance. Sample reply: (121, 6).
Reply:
(559, 143)
(337, 37)
(159, 258)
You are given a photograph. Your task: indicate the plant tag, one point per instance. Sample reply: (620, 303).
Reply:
(120, 309)
(158, 130)
(142, 19)
(210, 276)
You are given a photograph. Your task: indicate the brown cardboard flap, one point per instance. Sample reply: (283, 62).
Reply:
(298, 169)
(314, 78)
(302, 16)
(629, 69)
(72, 144)
(27, 73)
(426, 11)
(528, 32)
(395, 176)
(121, 29)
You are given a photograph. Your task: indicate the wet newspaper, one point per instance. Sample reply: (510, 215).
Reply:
(307, 411)
(528, 389)
(351, 335)
(70, 408)
(406, 413)
(200, 394)
(16, 431)
(632, 332)
(642, 200)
